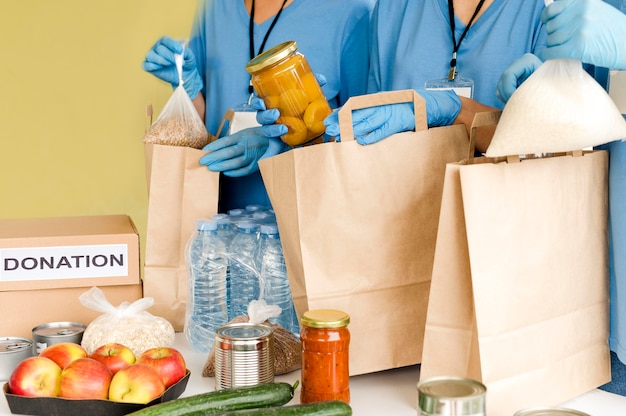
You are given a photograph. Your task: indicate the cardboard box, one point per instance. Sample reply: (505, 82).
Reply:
(46, 263)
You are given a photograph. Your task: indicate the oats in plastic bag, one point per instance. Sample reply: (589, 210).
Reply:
(129, 324)
(178, 124)
(559, 108)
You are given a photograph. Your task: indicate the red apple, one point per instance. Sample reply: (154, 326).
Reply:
(115, 356)
(35, 376)
(63, 353)
(168, 363)
(137, 383)
(85, 378)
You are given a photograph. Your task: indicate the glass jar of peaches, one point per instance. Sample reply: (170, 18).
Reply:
(283, 78)
(325, 342)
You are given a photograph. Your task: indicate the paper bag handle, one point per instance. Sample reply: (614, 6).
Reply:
(381, 98)
(483, 127)
(228, 116)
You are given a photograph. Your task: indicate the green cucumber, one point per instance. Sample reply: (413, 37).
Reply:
(252, 397)
(327, 408)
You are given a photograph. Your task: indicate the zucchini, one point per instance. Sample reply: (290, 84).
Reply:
(326, 408)
(252, 397)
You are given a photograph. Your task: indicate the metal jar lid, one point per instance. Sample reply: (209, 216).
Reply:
(550, 411)
(451, 396)
(325, 318)
(271, 56)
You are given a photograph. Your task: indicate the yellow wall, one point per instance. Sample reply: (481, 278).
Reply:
(73, 99)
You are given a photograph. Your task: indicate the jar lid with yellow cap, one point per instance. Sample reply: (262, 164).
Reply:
(271, 56)
(325, 318)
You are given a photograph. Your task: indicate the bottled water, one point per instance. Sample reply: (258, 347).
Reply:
(244, 282)
(206, 305)
(226, 230)
(273, 274)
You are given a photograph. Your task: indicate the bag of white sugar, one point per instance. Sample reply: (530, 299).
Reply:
(559, 108)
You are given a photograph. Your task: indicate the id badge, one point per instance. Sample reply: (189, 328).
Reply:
(243, 117)
(463, 87)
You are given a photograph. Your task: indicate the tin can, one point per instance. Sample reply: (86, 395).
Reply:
(284, 80)
(325, 342)
(12, 351)
(451, 396)
(244, 355)
(550, 411)
(55, 333)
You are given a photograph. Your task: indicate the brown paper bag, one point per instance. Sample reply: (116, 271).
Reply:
(358, 227)
(181, 191)
(519, 295)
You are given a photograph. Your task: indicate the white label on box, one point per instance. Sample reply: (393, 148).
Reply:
(65, 262)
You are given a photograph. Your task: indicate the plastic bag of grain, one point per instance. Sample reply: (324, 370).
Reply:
(179, 123)
(558, 108)
(129, 324)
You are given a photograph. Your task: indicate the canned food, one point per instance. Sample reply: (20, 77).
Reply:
(283, 78)
(550, 411)
(12, 351)
(244, 355)
(451, 396)
(55, 333)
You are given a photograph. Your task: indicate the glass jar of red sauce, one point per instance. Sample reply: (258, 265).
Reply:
(284, 80)
(325, 345)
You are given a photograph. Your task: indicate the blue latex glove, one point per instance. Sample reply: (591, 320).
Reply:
(376, 123)
(590, 31)
(238, 154)
(515, 74)
(161, 63)
(267, 118)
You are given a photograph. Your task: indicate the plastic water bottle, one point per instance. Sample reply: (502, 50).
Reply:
(206, 305)
(244, 281)
(276, 289)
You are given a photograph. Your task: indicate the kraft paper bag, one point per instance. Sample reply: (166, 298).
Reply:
(181, 191)
(519, 294)
(358, 226)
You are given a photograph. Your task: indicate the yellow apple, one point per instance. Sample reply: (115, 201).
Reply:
(136, 383)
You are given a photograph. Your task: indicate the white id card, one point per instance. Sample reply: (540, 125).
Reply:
(463, 87)
(244, 117)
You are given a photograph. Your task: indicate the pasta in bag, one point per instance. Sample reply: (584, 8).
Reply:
(178, 124)
(558, 108)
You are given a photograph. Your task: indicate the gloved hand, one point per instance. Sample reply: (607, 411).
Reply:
(160, 62)
(515, 74)
(238, 154)
(376, 123)
(590, 31)
(267, 118)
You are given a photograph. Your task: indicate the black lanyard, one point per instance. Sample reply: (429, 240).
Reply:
(452, 73)
(267, 35)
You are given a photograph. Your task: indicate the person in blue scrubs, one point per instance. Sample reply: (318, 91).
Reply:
(333, 35)
(416, 50)
(593, 32)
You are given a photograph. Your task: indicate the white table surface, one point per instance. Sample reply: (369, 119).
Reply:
(391, 392)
